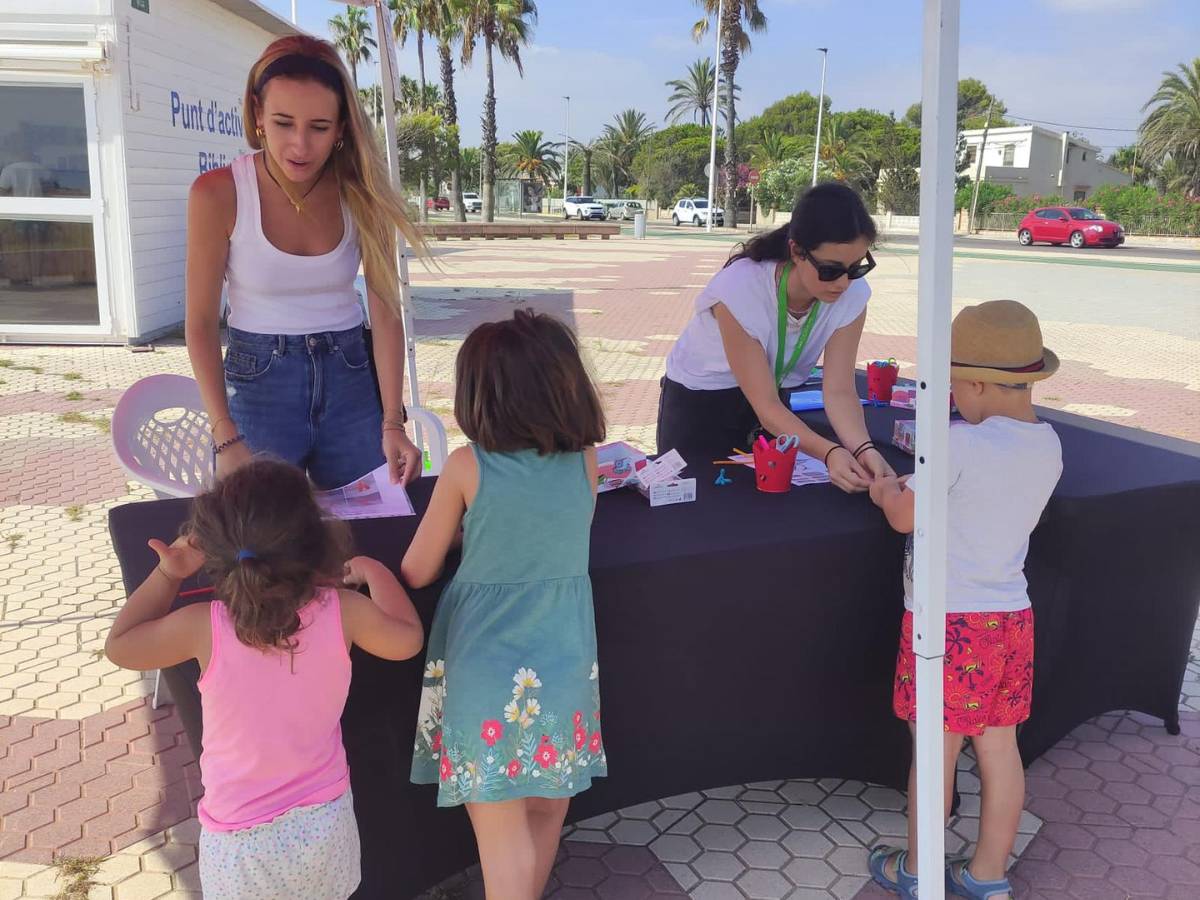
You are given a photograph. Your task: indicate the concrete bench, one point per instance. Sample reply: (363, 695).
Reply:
(490, 231)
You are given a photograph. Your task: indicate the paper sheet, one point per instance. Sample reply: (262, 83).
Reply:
(371, 497)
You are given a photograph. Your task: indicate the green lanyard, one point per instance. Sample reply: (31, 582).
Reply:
(781, 371)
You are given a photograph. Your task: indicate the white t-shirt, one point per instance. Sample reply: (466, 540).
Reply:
(750, 293)
(1002, 473)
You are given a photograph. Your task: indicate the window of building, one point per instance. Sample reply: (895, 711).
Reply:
(1010, 154)
(972, 153)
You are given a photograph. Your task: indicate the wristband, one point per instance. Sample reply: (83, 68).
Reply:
(863, 448)
(829, 453)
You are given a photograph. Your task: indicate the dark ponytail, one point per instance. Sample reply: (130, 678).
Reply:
(267, 547)
(829, 212)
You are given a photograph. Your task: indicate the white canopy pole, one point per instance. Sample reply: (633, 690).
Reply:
(939, 101)
(712, 143)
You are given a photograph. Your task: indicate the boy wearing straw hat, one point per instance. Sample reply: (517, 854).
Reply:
(1004, 464)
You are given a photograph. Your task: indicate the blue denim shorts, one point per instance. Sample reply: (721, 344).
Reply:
(310, 400)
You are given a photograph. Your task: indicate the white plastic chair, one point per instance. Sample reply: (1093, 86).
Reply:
(430, 434)
(161, 438)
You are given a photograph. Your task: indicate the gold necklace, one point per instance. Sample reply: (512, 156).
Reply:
(298, 205)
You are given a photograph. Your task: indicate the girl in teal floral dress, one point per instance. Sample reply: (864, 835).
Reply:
(509, 723)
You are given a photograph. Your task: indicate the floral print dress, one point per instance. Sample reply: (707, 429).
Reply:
(511, 700)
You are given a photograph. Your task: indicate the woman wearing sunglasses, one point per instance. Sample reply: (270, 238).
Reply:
(759, 327)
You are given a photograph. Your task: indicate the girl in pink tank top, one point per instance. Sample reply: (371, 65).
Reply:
(273, 646)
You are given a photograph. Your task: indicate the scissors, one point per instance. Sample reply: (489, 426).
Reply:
(786, 442)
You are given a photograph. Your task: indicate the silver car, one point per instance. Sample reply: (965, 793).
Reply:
(626, 209)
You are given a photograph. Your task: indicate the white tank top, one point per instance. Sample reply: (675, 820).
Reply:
(272, 292)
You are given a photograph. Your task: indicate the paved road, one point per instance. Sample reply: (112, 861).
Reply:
(1130, 246)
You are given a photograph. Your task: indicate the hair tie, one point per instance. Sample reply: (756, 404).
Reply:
(246, 554)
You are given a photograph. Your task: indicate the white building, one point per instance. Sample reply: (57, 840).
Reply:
(109, 109)
(1034, 160)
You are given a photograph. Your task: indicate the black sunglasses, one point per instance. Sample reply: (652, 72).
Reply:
(829, 271)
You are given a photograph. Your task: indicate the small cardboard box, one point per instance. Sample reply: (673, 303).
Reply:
(659, 483)
(904, 435)
(617, 465)
(664, 493)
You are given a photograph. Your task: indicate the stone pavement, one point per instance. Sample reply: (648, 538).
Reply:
(89, 770)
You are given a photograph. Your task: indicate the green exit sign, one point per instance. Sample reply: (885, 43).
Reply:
(143, 5)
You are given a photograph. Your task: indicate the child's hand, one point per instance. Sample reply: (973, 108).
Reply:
(181, 560)
(358, 570)
(884, 487)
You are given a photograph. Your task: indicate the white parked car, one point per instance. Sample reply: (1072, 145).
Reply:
(695, 210)
(625, 209)
(582, 208)
(471, 202)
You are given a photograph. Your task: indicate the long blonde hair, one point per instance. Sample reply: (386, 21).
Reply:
(359, 166)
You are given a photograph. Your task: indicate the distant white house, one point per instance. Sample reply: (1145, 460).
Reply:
(1034, 160)
(109, 109)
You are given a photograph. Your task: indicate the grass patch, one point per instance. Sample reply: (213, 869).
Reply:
(72, 376)
(75, 395)
(13, 539)
(76, 873)
(74, 418)
(74, 513)
(11, 364)
(1053, 399)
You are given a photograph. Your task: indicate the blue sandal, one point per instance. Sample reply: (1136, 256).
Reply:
(961, 883)
(904, 884)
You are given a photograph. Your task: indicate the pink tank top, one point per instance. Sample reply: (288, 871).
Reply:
(272, 720)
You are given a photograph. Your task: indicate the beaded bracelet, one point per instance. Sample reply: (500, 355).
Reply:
(225, 445)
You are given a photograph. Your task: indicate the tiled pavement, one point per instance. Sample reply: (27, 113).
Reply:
(89, 770)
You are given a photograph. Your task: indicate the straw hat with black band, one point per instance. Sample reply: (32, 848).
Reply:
(999, 342)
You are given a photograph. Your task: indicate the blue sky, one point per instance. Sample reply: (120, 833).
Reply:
(1086, 63)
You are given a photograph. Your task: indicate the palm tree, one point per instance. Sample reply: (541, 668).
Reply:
(588, 151)
(504, 25)
(694, 94)
(351, 32)
(842, 158)
(1171, 130)
(622, 140)
(412, 16)
(371, 98)
(771, 149)
(412, 98)
(470, 159)
(444, 25)
(533, 158)
(738, 18)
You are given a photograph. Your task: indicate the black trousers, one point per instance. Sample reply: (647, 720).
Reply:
(705, 422)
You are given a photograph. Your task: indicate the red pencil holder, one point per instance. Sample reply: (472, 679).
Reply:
(773, 469)
(881, 378)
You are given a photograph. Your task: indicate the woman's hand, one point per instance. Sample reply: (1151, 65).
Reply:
(403, 457)
(181, 560)
(872, 460)
(232, 458)
(846, 473)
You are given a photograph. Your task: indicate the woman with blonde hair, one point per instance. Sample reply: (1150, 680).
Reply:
(286, 229)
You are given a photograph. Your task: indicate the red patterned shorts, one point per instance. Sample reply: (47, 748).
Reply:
(988, 671)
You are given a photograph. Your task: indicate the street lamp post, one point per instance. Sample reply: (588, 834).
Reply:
(820, 112)
(566, 152)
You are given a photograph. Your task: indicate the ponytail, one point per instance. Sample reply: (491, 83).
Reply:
(828, 213)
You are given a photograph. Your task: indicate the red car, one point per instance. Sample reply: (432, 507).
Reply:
(1072, 225)
(437, 203)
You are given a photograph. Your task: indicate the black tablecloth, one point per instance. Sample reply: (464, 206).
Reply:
(747, 637)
